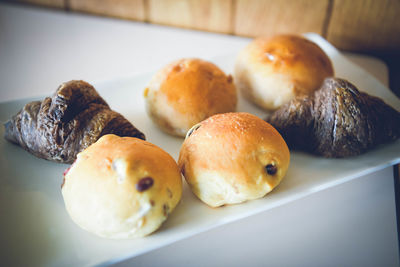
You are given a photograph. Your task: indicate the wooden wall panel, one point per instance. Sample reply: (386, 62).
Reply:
(46, 3)
(365, 25)
(355, 25)
(209, 15)
(126, 9)
(269, 17)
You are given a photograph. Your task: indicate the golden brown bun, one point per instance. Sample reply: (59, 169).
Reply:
(272, 71)
(121, 187)
(233, 157)
(186, 92)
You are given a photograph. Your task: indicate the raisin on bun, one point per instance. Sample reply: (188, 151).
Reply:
(121, 187)
(233, 157)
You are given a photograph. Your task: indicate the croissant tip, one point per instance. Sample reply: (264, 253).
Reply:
(8, 131)
(7, 125)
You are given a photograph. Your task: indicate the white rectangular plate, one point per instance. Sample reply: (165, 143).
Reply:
(37, 231)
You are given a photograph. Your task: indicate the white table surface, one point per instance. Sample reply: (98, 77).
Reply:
(353, 224)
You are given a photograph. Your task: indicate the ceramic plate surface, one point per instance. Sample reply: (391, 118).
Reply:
(37, 231)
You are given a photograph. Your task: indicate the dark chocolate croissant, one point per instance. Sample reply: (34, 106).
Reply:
(58, 128)
(336, 121)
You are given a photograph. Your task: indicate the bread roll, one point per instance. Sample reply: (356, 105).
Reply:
(186, 92)
(121, 187)
(233, 157)
(271, 71)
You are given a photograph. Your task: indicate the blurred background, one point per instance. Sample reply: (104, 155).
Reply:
(364, 26)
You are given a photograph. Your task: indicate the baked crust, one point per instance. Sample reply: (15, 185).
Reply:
(224, 159)
(336, 121)
(271, 71)
(61, 126)
(122, 187)
(186, 92)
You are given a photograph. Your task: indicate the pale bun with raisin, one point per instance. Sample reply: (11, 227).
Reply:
(121, 187)
(186, 92)
(272, 71)
(233, 157)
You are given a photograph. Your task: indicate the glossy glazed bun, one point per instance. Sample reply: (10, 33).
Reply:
(233, 157)
(121, 187)
(186, 92)
(271, 71)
